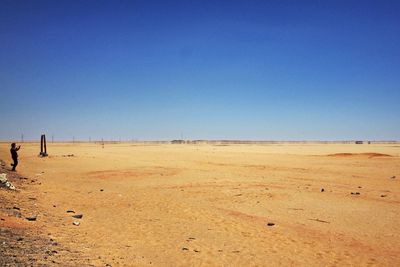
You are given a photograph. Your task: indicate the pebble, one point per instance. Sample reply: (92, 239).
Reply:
(78, 216)
(270, 224)
(70, 211)
(185, 249)
(322, 190)
(31, 218)
(76, 223)
(355, 193)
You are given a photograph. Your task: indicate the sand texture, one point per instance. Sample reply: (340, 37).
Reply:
(207, 205)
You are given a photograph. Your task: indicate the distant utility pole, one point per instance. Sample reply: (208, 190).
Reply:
(22, 138)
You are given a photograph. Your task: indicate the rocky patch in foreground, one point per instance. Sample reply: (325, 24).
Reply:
(23, 240)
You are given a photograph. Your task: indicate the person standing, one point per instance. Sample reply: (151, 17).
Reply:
(14, 155)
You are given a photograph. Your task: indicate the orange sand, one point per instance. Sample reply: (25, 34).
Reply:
(206, 205)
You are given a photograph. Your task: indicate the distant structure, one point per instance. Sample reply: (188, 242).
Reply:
(180, 141)
(359, 142)
(43, 146)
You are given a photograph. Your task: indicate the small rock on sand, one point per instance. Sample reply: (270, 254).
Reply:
(322, 190)
(70, 211)
(31, 218)
(76, 223)
(5, 183)
(355, 193)
(270, 224)
(78, 216)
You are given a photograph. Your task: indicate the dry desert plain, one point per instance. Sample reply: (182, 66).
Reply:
(206, 205)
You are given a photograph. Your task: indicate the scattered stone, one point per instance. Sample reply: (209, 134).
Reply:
(360, 187)
(322, 190)
(383, 195)
(31, 218)
(270, 224)
(101, 190)
(78, 216)
(393, 177)
(5, 183)
(355, 193)
(318, 220)
(70, 211)
(185, 249)
(16, 208)
(195, 250)
(76, 223)
(20, 239)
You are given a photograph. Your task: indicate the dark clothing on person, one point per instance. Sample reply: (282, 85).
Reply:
(14, 165)
(14, 153)
(14, 156)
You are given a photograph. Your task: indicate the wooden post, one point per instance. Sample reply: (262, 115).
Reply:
(43, 146)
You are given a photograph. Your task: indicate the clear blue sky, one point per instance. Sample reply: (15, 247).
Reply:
(258, 70)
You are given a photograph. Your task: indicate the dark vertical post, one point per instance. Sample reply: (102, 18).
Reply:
(41, 145)
(45, 146)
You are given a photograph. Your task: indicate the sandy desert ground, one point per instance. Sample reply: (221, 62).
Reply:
(206, 205)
